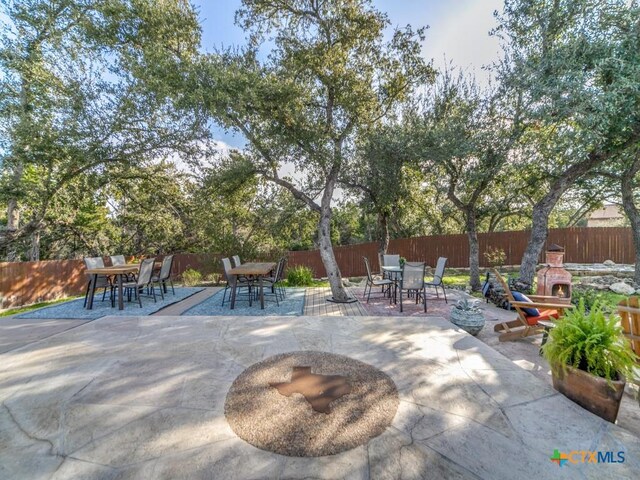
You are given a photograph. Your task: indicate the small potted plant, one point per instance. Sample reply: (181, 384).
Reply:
(590, 359)
(468, 316)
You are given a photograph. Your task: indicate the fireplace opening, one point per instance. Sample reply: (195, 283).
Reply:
(561, 290)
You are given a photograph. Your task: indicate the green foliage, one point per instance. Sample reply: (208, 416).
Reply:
(590, 341)
(605, 299)
(456, 280)
(191, 277)
(299, 276)
(495, 257)
(84, 93)
(214, 278)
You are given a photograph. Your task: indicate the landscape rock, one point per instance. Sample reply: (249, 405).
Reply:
(602, 282)
(609, 263)
(622, 288)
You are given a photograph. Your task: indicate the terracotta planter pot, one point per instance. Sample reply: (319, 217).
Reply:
(590, 392)
(470, 322)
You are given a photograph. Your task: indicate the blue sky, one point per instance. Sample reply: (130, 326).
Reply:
(458, 31)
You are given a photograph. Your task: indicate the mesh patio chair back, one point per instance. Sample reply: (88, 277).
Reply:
(284, 266)
(391, 260)
(280, 269)
(165, 269)
(368, 267)
(94, 262)
(236, 261)
(412, 276)
(97, 262)
(118, 260)
(146, 270)
(439, 273)
(226, 265)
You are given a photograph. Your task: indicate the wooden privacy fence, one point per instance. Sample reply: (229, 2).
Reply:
(582, 245)
(23, 283)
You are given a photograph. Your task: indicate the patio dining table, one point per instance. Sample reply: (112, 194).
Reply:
(115, 271)
(258, 270)
(393, 271)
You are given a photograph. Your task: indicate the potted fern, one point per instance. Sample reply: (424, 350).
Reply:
(468, 316)
(590, 359)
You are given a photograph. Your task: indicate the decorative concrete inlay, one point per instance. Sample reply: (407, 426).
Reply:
(318, 390)
(332, 404)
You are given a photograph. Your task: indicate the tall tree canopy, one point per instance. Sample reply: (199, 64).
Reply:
(85, 86)
(580, 93)
(329, 76)
(464, 138)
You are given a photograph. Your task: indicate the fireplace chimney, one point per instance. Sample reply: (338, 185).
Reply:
(553, 279)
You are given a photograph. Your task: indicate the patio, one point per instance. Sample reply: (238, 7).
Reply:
(143, 397)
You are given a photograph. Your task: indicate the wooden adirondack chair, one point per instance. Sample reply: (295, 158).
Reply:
(629, 310)
(524, 326)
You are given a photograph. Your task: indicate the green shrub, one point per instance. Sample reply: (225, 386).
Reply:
(214, 278)
(607, 300)
(299, 276)
(191, 277)
(495, 257)
(590, 341)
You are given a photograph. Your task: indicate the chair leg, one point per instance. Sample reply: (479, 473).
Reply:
(444, 292)
(86, 294)
(424, 298)
(401, 300)
(224, 294)
(161, 288)
(172, 289)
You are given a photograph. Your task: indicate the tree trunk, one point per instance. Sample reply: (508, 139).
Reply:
(539, 232)
(35, 246)
(474, 251)
(631, 210)
(383, 239)
(326, 248)
(328, 258)
(542, 210)
(13, 222)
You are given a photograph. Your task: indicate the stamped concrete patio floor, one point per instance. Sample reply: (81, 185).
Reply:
(144, 398)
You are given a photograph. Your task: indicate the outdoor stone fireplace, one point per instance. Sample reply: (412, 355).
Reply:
(553, 279)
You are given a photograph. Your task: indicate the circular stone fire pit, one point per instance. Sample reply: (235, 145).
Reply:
(310, 404)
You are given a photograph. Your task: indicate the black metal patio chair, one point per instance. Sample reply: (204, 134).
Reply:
(233, 281)
(385, 282)
(413, 281)
(164, 276)
(143, 281)
(102, 281)
(438, 275)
